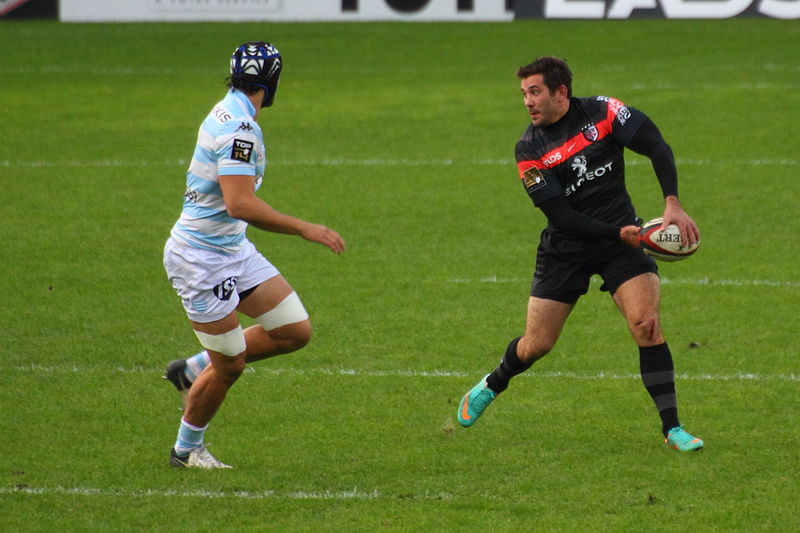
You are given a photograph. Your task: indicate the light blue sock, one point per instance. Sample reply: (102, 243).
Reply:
(189, 438)
(195, 365)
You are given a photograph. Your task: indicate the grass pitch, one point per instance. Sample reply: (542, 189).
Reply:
(401, 137)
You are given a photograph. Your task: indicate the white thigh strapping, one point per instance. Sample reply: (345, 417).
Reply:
(230, 343)
(289, 311)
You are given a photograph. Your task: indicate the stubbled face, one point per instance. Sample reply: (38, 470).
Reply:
(544, 107)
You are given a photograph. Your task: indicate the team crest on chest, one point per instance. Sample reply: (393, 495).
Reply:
(590, 132)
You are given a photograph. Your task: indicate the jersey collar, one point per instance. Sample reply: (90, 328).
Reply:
(244, 102)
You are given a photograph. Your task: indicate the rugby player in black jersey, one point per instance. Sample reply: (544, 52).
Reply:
(571, 163)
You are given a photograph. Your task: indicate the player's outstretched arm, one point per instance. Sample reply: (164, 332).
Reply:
(241, 202)
(324, 235)
(648, 141)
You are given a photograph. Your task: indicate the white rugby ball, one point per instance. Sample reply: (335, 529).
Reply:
(664, 245)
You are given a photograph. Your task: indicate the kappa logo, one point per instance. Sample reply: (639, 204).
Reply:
(241, 150)
(579, 165)
(245, 126)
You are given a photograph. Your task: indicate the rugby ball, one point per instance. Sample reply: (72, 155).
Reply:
(664, 245)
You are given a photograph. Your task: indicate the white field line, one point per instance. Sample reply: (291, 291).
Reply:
(761, 86)
(446, 374)
(365, 162)
(665, 281)
(346, 69)
(354, 494)
(404, 71)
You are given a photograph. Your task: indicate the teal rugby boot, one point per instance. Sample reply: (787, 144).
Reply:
(678, 439)
(475, 402)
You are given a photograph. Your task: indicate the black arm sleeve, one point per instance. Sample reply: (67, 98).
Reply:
(564, 219)
(648, 141)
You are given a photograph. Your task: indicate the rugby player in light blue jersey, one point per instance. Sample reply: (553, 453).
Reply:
(216, 270)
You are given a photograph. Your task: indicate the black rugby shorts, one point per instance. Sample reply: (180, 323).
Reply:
(564, 277)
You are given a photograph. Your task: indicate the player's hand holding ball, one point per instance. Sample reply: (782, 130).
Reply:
(630, 236)
(664, 244)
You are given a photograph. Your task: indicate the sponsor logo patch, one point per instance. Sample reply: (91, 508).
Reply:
(579, 165)
(241, 150)
(623, 115)
(221, 114)
(533, 179)
(552, 159)
(613, 103)
(225, 290)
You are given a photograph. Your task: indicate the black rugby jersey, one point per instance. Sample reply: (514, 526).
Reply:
(581, 158)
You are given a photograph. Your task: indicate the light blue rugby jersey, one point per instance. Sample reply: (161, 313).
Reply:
(229, 142)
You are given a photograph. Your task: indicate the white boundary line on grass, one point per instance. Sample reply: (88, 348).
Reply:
(139, 70)
(327, 371)
(376, 161)
(354, 494)
(741, 376)
(664, 281)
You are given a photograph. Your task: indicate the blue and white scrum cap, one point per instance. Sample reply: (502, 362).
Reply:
(258, 63)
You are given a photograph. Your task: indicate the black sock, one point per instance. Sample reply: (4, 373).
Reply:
(658, 376)
(509, 367)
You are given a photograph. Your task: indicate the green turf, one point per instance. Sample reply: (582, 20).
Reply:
(401, 137)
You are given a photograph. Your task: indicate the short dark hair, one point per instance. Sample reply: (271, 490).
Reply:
(554, 71)
(238, 83)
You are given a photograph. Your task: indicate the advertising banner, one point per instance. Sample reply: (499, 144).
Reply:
(27, 9)
(672, 9)
(6, 6)
(413, 10)
(285, 10)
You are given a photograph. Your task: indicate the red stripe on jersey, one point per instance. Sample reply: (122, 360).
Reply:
(575, 144)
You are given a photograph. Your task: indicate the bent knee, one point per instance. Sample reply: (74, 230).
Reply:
(231, 371)
(293, 336)
(646, 330)
(300, 339)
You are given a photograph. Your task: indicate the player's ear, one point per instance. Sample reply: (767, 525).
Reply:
(562, 92)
